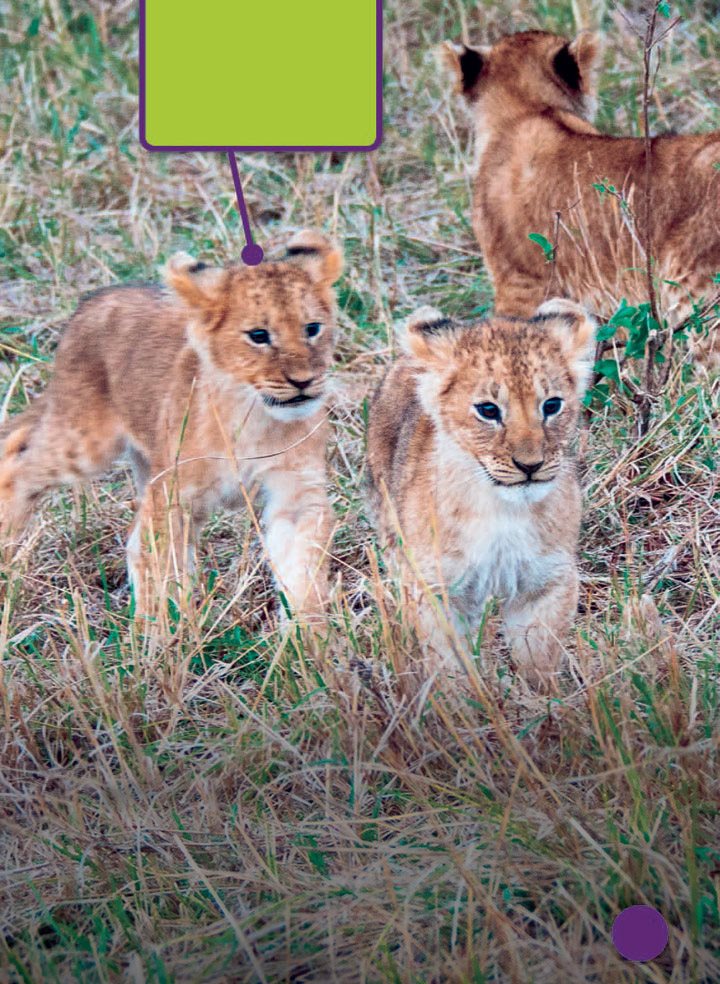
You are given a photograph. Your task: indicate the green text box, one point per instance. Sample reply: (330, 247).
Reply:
(266, 74)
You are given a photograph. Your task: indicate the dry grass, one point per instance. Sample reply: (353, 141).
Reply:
(231, 806)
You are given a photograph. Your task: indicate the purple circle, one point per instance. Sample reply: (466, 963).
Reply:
(252, 254)
(640, 933)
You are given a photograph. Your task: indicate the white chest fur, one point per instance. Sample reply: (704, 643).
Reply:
(500, 556)
(497, 550)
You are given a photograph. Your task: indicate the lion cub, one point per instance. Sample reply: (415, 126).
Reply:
(543, 168)
(211, 386)
(472, 484)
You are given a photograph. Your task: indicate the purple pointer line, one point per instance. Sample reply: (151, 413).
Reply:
(252, 254)
(240, 199)
(186, 149)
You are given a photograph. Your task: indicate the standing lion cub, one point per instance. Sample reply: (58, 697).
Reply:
(543, 168)
(472, 484)
(211, 386)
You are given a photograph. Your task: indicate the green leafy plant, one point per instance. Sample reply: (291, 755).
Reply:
(545, 245)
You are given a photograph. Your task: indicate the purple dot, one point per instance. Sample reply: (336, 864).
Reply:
(252, 254)
(640, 933)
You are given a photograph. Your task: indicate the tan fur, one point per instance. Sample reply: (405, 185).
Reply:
(539, 157)
(453, 506)
(171, 378)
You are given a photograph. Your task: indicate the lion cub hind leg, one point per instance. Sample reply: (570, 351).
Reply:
(14, 507)
(140, 466)
(45, 453)
(161, 551)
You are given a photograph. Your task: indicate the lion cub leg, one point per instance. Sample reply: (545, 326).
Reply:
(161, 550)
(297, 519)
(517, 295)
(15, 500)
(536, 630)
(441, 635)
(46, 452)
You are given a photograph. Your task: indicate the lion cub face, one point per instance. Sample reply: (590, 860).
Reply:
(506, 392)
(534, 68)
(270, 327)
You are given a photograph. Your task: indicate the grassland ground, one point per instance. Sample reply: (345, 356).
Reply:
(232, 804)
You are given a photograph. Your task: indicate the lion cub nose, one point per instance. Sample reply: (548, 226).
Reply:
(301, 384)
(528, 467)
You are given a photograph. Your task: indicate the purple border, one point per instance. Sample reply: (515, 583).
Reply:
(189, 149)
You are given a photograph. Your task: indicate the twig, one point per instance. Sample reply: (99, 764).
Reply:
(250, 457)
(648, 46)
(652, 383)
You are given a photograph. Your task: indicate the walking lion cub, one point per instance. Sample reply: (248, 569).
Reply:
(211, 386)
(472, 482)
(543, 169)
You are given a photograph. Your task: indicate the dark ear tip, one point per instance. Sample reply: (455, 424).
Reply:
(428, 321)
(433, 327)
(471, 66)
(567, 68)
(301, 251)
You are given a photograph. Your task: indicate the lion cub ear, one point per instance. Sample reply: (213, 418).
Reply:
(322, 259)
(194, 282)
(576, 63)
(428, 336)
(466, 65)
(575, 330)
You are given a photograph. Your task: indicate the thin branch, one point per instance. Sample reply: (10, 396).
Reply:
(656, 338)
(647, 237)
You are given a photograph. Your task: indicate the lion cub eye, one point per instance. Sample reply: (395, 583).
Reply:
(313, 329)
(552, 407)
(259, 336)
(488, 411)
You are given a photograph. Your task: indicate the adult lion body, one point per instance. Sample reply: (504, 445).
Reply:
(544, 169)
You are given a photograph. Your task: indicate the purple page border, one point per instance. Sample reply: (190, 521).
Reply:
(188, 149)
